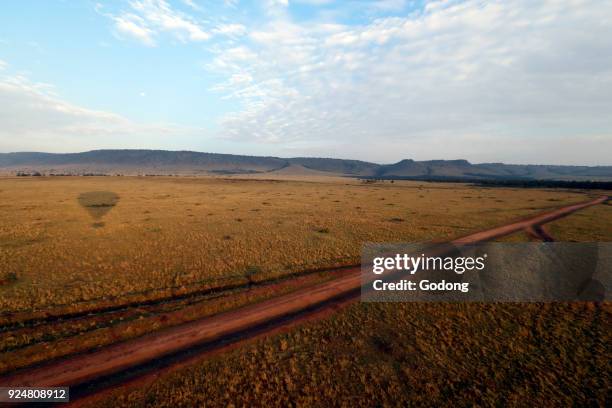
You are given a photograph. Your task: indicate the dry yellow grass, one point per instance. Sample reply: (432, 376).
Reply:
(23, 345)
(76, 244)
(407, 354)
(169, 235)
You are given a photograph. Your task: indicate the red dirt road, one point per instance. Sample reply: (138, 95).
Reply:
(529, 222)
(86, 367)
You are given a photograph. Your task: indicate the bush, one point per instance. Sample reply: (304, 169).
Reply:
(251, 271)
(8, 278)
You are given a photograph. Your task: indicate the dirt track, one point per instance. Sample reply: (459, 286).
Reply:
(234, 325)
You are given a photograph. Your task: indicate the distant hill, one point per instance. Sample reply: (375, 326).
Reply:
(440, 169)
(187, 162)
(138, 161)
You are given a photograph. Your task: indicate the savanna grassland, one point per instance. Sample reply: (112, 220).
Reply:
(148, 236)
(407, 354)
(146, 250)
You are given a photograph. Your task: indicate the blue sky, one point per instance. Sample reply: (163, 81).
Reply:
(382, 80)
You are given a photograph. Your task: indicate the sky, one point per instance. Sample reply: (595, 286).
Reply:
(515, 81)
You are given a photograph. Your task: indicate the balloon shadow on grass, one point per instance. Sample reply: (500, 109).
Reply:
(98, 204)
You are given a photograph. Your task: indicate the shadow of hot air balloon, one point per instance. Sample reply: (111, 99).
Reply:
(98, 204)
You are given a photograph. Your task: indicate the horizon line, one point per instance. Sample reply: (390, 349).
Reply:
(304, 157)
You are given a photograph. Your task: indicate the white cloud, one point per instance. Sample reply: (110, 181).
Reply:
(134, 26)
(231, 29)
(192, 4)
(147, 19)
(160, 15)
(272, 3)
(458, 73)
(231, 3)
(275, 8)
(389, 5)
(34, 118)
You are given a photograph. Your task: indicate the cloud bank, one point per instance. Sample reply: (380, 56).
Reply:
(455, 79)
(33, 118)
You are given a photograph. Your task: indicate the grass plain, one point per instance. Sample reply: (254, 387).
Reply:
(397, 355)
(173, 234)
(79, 244)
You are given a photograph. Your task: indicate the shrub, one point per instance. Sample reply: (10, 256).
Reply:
(251, 271)
(8, 278)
